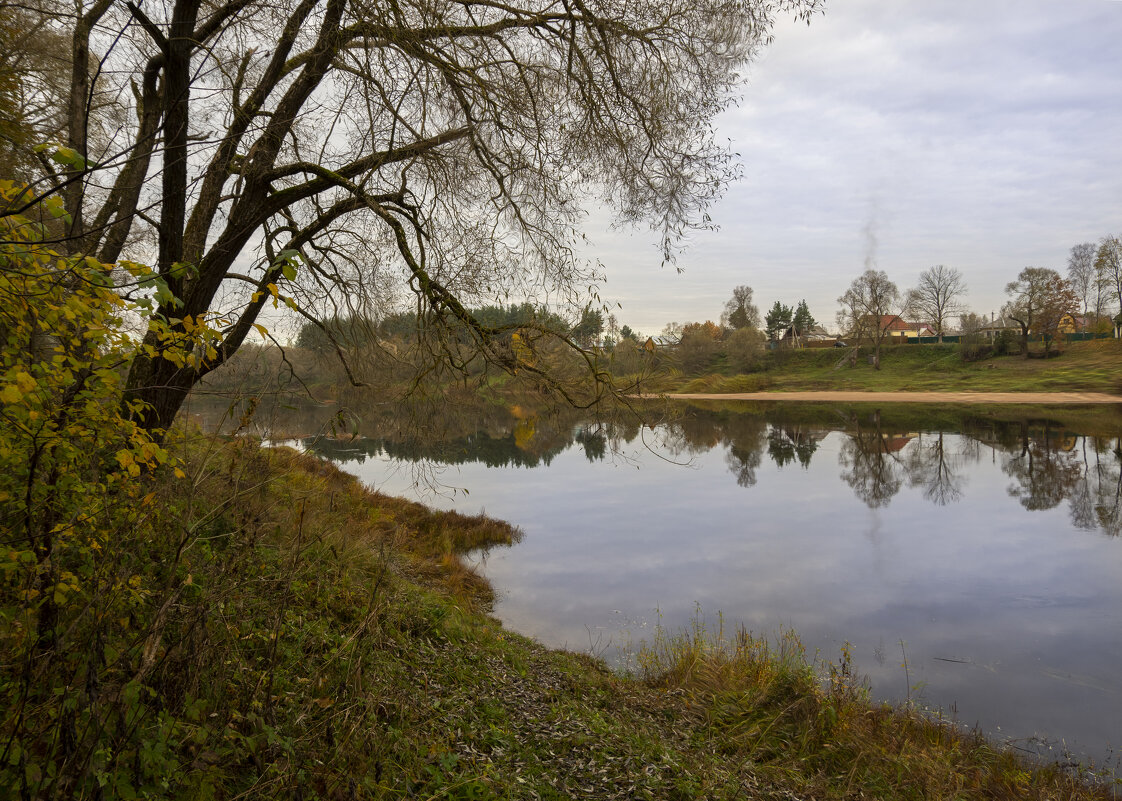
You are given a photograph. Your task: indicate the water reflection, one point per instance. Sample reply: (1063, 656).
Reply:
(786, 444)
(935, 467)
(1044, 469)
(871, 465)
(1096, 501)
(1047, 464)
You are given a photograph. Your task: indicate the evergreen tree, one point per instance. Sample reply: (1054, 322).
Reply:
(803, 320)
(777, 320)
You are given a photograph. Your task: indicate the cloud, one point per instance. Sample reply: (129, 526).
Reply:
(986, 133)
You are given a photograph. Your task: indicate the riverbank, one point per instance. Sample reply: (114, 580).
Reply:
(1093, 367)
(351, 655)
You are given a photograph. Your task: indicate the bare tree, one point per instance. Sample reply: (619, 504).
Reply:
(1081, 276)
(306, 151)
(1108, 267)
(937, 297)
(740, 312)
(867, 309)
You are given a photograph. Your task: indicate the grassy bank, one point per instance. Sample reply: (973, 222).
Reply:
(1094, 366)
(1099, 420)
(307, 638)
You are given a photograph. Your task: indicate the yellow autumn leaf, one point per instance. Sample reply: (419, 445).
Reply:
(25, 382)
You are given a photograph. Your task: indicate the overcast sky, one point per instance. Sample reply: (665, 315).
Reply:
(985, 135)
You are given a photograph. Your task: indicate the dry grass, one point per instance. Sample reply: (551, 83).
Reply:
(810, 727)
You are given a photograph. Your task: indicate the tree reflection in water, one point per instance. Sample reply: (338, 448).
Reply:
(595, 443)
(1046, 463)
(871, 463)
(931, 465)
(788, 443)
(1049, 464)
(745, 437)
(1097, 499)
(1045, 467)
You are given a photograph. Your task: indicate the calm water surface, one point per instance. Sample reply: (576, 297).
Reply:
(988, 557)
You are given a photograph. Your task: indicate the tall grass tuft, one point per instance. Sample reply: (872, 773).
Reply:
(809, 725)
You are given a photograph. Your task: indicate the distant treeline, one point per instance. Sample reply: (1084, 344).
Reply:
(356, 331)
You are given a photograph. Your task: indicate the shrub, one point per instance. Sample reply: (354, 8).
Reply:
(744, 348)
(974, 350)
(85, 582)
(696, 351)
(1006, 342)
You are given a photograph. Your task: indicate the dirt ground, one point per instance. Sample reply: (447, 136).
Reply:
(1051, 398)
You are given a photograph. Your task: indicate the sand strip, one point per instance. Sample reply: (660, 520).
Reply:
(1044, 398)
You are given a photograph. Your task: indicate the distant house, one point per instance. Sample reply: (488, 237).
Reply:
(894, 443)
(1072, 323)
(897, 327)
(991, 330)
(816, 337)
(659, 343)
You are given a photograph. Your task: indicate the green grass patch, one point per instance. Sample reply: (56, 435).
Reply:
(1094, 366)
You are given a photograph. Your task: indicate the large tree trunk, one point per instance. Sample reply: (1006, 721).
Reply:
(162, 387)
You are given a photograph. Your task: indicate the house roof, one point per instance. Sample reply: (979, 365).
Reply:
(894, 443)
(998, 324)
(817, 332)
(894, 322)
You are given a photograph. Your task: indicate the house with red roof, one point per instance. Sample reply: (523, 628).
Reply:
(897, 327)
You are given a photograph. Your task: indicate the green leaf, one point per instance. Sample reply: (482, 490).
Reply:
(288, 260)
(164, 295)
(69, 157)
(57, 209)
(183, 268)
